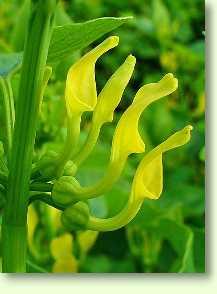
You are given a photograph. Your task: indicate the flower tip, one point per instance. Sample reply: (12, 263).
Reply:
(112, 41)
(190, 127)
(181, 137)
(169, 81)
(187, 130)
(186, 134)
(131, 60)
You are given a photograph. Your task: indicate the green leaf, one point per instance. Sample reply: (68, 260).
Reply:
(161, 20)
(66, 40)
(69, 38)
(9, 62)
(181, 238)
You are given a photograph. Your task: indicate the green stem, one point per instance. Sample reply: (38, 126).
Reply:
(73, 132)
(111, 176)
(43, 187)
(46, 198)
(14, 224)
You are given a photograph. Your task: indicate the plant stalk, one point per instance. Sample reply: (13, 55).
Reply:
(14, 224)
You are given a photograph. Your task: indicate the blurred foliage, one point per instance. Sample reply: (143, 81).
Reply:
(168, 234)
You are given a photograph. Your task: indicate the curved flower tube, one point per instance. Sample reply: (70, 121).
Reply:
(147, 183)
(108, 100)
(81, 94)
(126, 138)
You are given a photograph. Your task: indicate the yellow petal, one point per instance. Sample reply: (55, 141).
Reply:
(112, 92)
(153, 178)
(55, 216)
(65, 265)
(61, 247)
(127, 139)
(148, 180)
(154, 91)
(80, 93)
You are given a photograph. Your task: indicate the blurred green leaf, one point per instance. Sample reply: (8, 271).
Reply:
(34, 268)
(20, 27)
(181, 238)
(161, 20)
(9, 62)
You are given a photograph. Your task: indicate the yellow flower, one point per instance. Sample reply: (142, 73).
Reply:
(127, 139)
(55, 215)
(61, 247)
(68, 265)
(80, 92)
(111, 94)
(147, 183)
(61, 250)
(108, 100)
(148, 180)
(80, 96)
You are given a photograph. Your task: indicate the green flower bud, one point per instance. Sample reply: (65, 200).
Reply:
(47, 166)
(76, 217)
(63, 190)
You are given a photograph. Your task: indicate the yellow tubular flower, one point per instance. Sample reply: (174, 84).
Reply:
(111, 94)
(147, 183)
(126, 138)
(108, 100)
(81, 95)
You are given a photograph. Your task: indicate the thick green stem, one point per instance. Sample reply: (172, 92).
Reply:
(14, 225)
